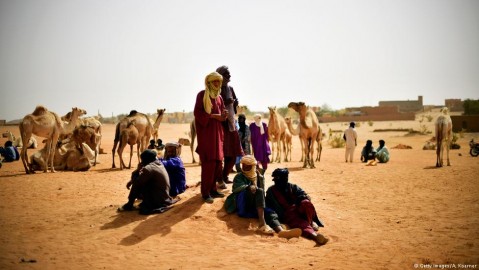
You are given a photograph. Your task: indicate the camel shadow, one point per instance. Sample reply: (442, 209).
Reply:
(431, 167)
(295, 169)
(162, 223)
(109, 170)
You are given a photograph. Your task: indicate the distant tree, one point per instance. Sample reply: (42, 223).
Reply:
(282, 110)
(471, 107)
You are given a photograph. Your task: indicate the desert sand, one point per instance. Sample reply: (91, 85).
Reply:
(405, 214)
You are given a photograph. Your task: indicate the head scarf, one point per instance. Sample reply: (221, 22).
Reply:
(257, 121)
(280, 177)
(210, 90)
(148, 156)
(250, 160)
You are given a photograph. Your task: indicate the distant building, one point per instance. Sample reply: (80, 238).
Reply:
(468, 123)
(381, 113)
(3, 122)
(405, 105)
(454, 105)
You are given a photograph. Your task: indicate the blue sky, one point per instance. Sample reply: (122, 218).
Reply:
(114, 56)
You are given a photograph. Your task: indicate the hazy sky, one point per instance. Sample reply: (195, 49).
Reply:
(113, 56)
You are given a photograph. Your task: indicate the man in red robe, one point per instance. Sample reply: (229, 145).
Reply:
(209, 114)
(232, 145)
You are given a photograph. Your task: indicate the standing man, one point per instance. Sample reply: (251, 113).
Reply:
(259, 142)
(232, 146)
(209, 114)
(351, 138)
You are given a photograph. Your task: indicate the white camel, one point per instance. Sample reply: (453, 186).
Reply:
(443, 127)
(46, 124)
(276, 131)
(156, 124)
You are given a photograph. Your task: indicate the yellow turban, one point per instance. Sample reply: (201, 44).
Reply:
(250, 160)
(210, 90)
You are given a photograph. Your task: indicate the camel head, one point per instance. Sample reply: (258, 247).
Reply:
(77, 112)
(272, 109)
(445, 110)
(297, 106)
(287, 119)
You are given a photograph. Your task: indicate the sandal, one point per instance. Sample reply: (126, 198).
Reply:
(265, 229)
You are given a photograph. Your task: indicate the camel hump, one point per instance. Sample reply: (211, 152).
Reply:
(40, 110)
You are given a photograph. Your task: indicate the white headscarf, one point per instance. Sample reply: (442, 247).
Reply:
(257, 121)
(210, 90)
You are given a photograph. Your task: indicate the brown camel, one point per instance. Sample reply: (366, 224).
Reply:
(276, 131)
(192, 139)
(90, 121)
(295, 132)
(157, 123)
(309, 129)
(68, 157)
(142, 124)
(129, 135)
(46, 124)
(88, 135)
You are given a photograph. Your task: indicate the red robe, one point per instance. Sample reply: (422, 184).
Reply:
(209, 130)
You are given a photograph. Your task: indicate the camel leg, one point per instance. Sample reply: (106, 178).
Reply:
(115, 144)
(447, 152)
(305, 154)
(120, 155)
(131, 155)
(438, 154)
(311, 154)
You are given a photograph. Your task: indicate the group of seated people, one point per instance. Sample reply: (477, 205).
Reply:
(284, 208)
(8, 153)
(369, 154)
(156, 181)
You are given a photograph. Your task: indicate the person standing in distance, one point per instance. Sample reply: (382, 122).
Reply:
(351, 138)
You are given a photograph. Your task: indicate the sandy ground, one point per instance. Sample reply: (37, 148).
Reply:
(389, 216)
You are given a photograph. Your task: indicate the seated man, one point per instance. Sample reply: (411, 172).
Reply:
(382, 153)
(152, 144)
(368, 152)
(293, 206)
(150, 183)
(10, 152)
(249, 201)
(175, 168)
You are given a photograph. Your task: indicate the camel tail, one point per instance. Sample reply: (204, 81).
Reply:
(117, 132)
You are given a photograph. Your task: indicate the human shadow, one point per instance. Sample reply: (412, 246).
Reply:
(162, 223)
(121, 219)
(238, 225)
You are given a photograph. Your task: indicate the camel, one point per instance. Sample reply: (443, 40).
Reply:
(94, 123)
(142, 123)
(443, 128)
(46, 124)
(88, 135)
(129, 135)
(296, 132)
(192, 137)
(157, 123)
(67, 157)
(309, 129)
(276, 131)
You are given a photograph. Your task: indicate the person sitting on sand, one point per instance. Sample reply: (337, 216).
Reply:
(382, 153)
(159, 144)
(150, 182)
(293, 206)
(175, 168)
(10, 152)
(248, 200)
(368, 152)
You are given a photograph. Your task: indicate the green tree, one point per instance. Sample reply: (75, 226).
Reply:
(471, 107)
